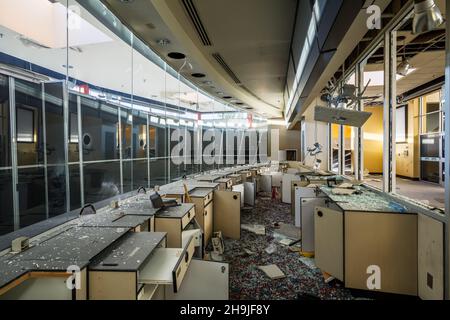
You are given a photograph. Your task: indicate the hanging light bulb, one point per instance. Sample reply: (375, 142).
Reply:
(404, 66)
(427, 16)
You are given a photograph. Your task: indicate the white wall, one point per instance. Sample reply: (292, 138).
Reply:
(316, 131)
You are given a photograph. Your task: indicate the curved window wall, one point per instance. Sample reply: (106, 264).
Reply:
(91, 112)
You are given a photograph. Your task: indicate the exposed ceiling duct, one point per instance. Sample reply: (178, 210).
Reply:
(427, 16)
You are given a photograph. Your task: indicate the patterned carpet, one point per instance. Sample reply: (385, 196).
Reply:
(303, 280)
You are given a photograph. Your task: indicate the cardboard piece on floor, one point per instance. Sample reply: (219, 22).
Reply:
(272, 271)
(285, 242)
(327, 277)
(290, 231)
(255, 228)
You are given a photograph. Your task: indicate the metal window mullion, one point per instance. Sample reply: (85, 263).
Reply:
(132, 117)
(80, 149)
(66, 141)
(131, 151)
(44, 139)
(148, 150)
(15, 179)
(119, 109)
(329, 148)
(359, 154)
(390, 61)
(341, 151)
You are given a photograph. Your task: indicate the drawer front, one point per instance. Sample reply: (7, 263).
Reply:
(182, 266)
(208, 198)
(187, 218)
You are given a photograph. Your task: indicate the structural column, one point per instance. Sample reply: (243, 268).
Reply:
(447, 157)
(390, 101)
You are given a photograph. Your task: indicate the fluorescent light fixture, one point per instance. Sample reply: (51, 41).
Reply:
(427, 141)
(154, 119)
(377, 77)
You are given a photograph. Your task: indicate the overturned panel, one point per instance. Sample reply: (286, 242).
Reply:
(341, 116)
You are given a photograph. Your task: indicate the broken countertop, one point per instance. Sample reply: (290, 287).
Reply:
(74, 246)
(129, 253)
(175, 212)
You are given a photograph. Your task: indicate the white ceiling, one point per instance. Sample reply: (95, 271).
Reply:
(427, 65)
(101, 58)
(252, 36)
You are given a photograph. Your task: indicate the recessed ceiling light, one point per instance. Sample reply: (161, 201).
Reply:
(227, 97)
(198, 75)
(239, 103)
(126, 1)
(176, 55)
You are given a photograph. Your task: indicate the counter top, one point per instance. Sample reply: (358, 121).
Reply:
(175, 212)
(201, 192)
(113, 220)
(129, 253)
(74, 246)
(367, 201)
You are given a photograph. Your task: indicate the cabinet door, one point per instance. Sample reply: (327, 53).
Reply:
(266, 183)
(329, 241)
(431, 258)
(227, 213)
(386, 241)
(208, 222)
(239, 188)
(249, 193)
(308, 205)
(205, 280)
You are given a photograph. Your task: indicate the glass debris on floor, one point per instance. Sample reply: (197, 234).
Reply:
(303, 280)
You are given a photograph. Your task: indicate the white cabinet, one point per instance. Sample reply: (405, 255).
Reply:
(205, 280)
(329, 241)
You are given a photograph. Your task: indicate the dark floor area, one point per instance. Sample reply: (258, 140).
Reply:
(248, 282)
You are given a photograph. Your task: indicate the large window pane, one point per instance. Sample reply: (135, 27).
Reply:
(127, 167)
(5, 133)
(74, 150)
(75, 192)
(158, 172)
(30, 144)
(31, 189)
(100, 130)
(56, 179)
(54, 120)
(140, 169)
(101, 181)
(6, 209)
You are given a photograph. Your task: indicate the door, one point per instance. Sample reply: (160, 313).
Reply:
(329, 241)
(204, 280)
(227, 213)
